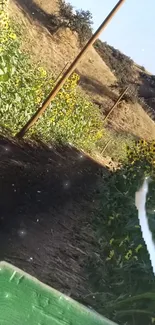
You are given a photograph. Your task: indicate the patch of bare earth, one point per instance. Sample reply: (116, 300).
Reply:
(49, 197)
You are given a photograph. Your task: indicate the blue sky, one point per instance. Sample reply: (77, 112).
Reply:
(132, 30)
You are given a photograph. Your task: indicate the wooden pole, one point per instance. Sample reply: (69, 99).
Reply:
(61, 73)
(68, 72)
(105, 147)
(114, 106)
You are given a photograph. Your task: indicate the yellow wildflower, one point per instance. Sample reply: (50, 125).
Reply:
(12, 36)
(128, 254)
(110, 255)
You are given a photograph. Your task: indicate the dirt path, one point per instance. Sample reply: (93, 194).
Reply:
(48, 198)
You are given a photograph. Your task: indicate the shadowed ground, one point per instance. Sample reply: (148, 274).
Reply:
(48, 197)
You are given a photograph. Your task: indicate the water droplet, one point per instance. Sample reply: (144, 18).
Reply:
(6, 148)
(67, 184)
(22, 232)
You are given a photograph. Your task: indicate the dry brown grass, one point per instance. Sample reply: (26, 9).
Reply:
(55, 50)
(134, 120)
(50, 7)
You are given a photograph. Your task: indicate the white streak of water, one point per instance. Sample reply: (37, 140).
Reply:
(140, 201)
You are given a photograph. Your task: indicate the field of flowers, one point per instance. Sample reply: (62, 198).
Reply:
(69, 118)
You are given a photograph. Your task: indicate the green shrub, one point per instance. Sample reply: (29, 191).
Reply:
(113, 144)
(120, 64)
(66, 12)
(71, 118)
(121, 274)
(80, 21)
(82, 24)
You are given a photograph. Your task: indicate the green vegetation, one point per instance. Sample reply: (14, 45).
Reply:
(79, 21)
(114, 144)
(121, 274)
(70, 117)
(120, 64)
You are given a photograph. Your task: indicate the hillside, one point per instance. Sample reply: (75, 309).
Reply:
(55, 49)
(128, 73)
(68, 214)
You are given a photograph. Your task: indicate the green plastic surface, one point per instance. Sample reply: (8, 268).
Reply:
(26, 301)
